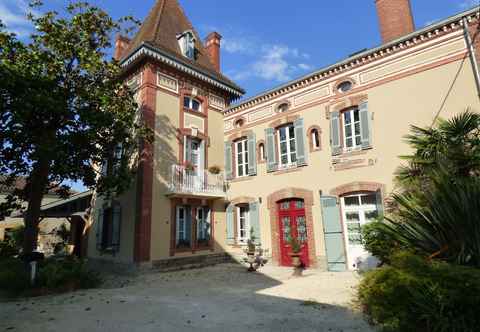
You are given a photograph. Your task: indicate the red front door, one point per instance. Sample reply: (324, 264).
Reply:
(292, 223)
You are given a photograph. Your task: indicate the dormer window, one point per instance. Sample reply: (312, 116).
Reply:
(345, 86)
(187, 44)
(192, 104)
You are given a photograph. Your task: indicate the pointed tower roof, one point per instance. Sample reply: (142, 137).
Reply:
(160, 29)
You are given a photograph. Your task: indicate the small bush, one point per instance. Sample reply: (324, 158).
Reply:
(8, 249)
(53, 276)
(413, 294)
(378, 241)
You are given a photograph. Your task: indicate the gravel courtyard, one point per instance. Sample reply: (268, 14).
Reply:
(220, 298)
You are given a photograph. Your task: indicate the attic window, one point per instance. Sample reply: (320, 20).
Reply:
(345, 86)
(283, 108)
(187, 44)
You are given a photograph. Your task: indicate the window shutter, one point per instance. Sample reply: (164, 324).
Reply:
(271, 154)
(252, 155)
(228, 160)
(188, 149)
(300, 142)
(333, 232)
(254, 218)
(230, 225)
(335, 133)
(116, 224)
(99, 225)
(201, 157)
(365, 124)
(188, 224)
(380, 208)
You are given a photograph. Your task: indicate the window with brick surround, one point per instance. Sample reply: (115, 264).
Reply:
(241, 157)
(287, 146)
(192, 104)
(352, 129)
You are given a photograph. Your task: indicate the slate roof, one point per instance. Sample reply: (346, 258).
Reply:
(160, 29)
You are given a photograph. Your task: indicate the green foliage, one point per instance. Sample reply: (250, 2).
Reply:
(53, 276)
(295, 245)
(16, 236)
(413, 294)
(7, 249)
(379, 241)
(444, 223)
(64, 109)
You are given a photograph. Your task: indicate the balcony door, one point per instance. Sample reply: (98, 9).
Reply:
(194, 154)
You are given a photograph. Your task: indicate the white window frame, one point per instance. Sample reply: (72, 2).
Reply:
(244, 154)
(246, 219)
(190, 103)
(197, 153)
(353, 137)
(261, 149)
(288, 139)
(181, 228)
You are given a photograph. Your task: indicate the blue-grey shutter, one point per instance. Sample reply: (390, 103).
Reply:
(254, 218)
(335, 133)
(365, 124)
(228, 160)
(188, 224)
(300, 142)
(333, 231)
(99, 225)
(230, 226)
(272, 163)
(252, 155)
(380, 208)
(116, 226)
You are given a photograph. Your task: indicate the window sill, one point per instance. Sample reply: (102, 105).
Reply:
(351, 153)
(287, 170)
(241, 179)
(192, 111)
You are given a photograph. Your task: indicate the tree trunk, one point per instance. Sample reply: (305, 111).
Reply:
(37, 183)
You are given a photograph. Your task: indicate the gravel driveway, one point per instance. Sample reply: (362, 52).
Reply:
(220, 298)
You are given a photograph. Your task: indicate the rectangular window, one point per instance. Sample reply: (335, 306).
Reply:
(241, 157)
(183, 226)
(358, 210)
(243, 224)
(192, 104)
(352, 129)
(107, 229)
(193, 153)
(287, 146)
(203, 226)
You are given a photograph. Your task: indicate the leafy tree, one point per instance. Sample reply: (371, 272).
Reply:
(64, 110)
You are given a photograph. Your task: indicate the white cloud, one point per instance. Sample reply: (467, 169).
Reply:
(13, 13)
(469, 4)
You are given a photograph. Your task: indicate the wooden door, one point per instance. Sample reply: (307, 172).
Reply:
(292, 224)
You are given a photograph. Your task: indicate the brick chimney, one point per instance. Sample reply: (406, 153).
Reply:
(212, 45)
(121, 45)
(395, 17)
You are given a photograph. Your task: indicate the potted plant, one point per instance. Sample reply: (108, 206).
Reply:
(296, 248)
(214, 169)
(251, 248)
(189, 167)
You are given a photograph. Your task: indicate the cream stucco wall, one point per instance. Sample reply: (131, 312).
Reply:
(394, 106)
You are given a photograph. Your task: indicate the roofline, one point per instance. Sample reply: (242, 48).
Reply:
(433, 26)
(63, 201)
(146, 49)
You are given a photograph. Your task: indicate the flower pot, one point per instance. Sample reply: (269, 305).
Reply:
(296, 260)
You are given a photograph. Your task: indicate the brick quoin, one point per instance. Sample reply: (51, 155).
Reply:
(395, 18)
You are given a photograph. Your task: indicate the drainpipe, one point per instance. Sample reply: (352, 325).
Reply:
(471, 52)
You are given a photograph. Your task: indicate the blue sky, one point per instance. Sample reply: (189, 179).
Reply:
(269, 42)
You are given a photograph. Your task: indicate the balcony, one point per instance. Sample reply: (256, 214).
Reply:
(186, 182)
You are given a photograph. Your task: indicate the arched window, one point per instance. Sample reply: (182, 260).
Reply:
(192, 104)
(261, 152)
(315, 137)
(345, 86)
(284, 107)
(239, 123)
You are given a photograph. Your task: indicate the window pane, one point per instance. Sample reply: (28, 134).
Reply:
(349, 143)
(348, 131)
(283, 134)
(351, 200)
(291, 130)
(292, 145)
(355, 239)
(239, 147)
(240, 171)
(195, 105)
(357, 128)
(299, 204)
(284, 205)
(240, 159)
(283, 147)
(371, 215)
(369, 199)
(352, 216)
(354, 228)
(347, 118)
(356, 115)
(284, 159)
(358, 140)
(286, 228)
(186, 102)
(302, 229)
(293, 157)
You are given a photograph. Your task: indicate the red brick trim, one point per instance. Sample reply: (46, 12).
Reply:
(242, 200)
(240, 134)
(260, 158)
(310, 140)
(286, 119)
(280, 103)
(340, 81)
(357, 186)
(291, 193)
(143, 226)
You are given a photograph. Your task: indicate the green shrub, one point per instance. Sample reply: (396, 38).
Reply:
(53, 276)
(413, 294)
(7, 249)
(14, 277)
(379, 241)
